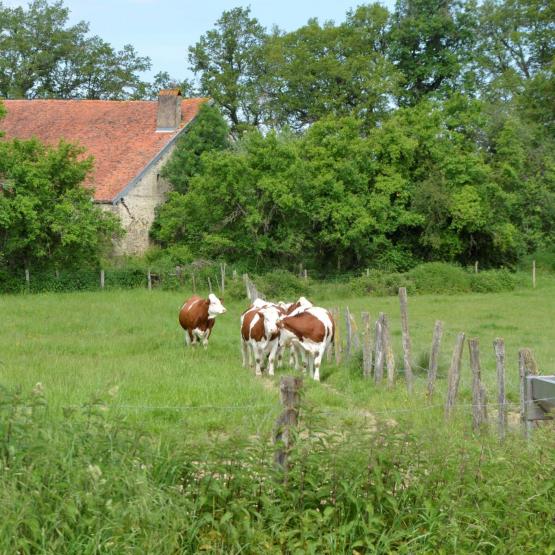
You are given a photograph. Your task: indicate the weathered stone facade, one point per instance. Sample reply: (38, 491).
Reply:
(136, 209)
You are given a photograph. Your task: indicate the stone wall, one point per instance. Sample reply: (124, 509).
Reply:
(136, 211)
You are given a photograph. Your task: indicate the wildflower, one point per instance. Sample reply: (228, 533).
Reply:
(94, 471)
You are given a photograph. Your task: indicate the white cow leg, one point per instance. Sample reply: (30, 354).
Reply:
(258, 354)
(187, 338)
(271, 358)
(317, 363)
(245, 353)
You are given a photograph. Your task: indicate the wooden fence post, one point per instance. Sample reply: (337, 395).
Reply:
(407, 357)
(526, 366)
(27, 280)
(149, 280)
(305, 274)
(454, 375)
(499, 349)
(222, 272)
(348, 335)
(289, 388)
(478, 392)
(476, 267)
(533, 273)
(337, 337)
(379, 349)
(234, 275)
(388, 352)
(434, 355)
(193, 280)
(366, 345)
(101, 279)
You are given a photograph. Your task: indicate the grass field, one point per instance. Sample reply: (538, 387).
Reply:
(82, 345)
(167, 450)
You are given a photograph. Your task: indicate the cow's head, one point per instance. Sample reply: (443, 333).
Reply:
(271, 317)
(215, 306)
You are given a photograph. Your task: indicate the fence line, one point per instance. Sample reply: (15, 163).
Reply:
(274, 405)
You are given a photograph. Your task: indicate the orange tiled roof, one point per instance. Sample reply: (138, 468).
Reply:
(121, 135)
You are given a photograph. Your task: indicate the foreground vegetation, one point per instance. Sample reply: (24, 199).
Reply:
(132, 443)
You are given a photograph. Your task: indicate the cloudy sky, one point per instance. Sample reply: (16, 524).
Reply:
(164, 29)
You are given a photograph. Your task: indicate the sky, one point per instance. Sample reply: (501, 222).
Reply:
(164, 29)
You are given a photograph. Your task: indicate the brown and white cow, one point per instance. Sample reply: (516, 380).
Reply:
(311, 330)
(260, 335)
(197, 317)
(295, 354)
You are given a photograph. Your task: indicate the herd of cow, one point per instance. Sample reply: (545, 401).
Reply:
(267, 329)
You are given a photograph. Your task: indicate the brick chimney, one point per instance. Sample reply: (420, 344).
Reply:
(169, 110)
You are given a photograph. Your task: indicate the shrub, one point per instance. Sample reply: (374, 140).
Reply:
(281, 284)
(439, 277)
(380, 283)
(492, 281)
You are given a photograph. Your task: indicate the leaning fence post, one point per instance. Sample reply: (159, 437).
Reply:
(101, 279)
(434, 355)
(478, 392)
(27, 279)
(379, 350)
(366, 345)
(388, 352)
(289, 388)
(499, 349)
(407, 358)
(454, 375)
(337, 337)
(533, 273)
(222, 272)
(526, 366)
(149, 280)
(348, 335)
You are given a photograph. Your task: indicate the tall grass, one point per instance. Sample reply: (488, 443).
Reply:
(133, 443)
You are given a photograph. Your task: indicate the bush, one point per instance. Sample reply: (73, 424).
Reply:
(492, 281)
(380, 283)
(281, 284)
(439, 277)
(89, 482)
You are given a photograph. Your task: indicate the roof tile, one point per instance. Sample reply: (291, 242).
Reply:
(121, 135)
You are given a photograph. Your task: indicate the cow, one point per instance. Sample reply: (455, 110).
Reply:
(311, 331)
(260, 335)
(197, 317)
(290, 309)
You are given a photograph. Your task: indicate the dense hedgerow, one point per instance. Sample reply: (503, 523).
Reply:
(89, 482)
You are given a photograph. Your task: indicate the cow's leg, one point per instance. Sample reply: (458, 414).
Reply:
(271, 357)
(258, 354)
(205, 337)
(187, 338)
(302, 355)
(245, 352)
(318, 361)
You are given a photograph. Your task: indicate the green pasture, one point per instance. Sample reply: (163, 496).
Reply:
(127, 348)
(140, 445)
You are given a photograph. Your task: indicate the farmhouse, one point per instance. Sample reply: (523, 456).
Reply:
(130, 142)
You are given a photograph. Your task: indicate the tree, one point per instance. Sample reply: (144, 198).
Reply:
(163, 80)
(430, 44)
(318, 71)
(43, 57)
(47, 217)
(231, 68)
(208, 132)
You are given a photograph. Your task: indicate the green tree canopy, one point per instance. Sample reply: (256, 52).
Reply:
(47, 217)
(42, 56)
